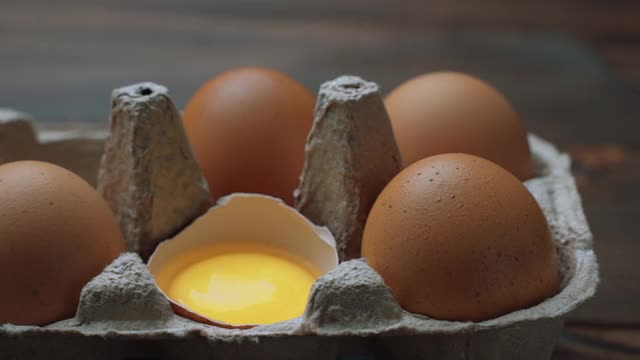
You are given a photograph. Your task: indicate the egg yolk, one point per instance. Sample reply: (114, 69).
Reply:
(239, 283)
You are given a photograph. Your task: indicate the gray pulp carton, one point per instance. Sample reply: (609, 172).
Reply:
(351, 313)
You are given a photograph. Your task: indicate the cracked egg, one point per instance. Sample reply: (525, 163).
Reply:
(250, 260)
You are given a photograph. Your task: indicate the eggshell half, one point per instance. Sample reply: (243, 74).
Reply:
(239, 217)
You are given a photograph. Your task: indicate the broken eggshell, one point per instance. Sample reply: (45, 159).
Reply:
(243, 216)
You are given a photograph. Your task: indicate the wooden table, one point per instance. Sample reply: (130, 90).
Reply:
(60, 60)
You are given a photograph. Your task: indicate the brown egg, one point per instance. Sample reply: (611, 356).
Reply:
(448, 112)
(57, 234)
(248, 128)
(456, 237)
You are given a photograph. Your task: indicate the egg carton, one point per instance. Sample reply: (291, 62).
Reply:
(351, 313)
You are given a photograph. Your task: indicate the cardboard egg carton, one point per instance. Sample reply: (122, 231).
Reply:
(351, 313)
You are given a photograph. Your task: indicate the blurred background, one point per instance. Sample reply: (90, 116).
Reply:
(571, 68)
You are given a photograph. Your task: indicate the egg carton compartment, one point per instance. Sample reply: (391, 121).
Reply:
(351, 313)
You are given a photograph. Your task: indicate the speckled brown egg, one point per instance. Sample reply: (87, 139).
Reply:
(57, 234)
(449, 112)
(248, 128)
(457, 237)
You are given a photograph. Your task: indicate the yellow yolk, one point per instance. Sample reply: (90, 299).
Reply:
(239, 283)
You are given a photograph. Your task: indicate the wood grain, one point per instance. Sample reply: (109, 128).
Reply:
(60, 60)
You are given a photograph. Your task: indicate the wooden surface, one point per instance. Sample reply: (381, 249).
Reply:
(572, 69)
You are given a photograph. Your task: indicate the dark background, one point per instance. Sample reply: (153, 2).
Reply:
(571, 68)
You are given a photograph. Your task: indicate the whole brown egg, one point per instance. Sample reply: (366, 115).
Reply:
(449, 112)
(457, 237)
(57, 234)
(248, 128)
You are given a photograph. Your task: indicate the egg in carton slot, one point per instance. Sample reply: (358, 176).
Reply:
(153, 184)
